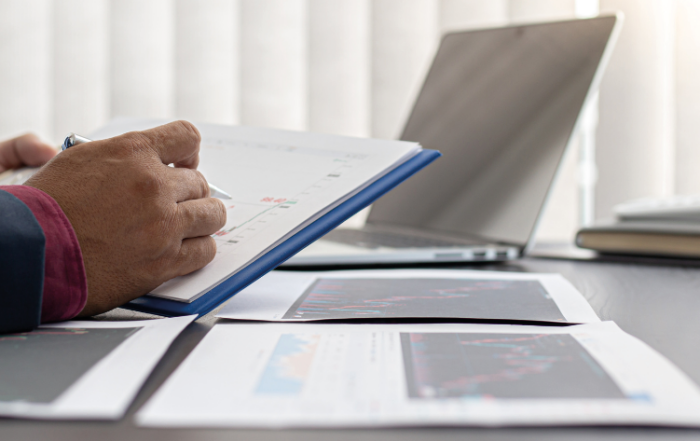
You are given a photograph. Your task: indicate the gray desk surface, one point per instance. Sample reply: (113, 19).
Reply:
(658, 304)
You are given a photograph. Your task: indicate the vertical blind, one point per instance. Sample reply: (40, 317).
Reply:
(349, 67)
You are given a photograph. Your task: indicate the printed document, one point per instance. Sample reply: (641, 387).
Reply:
(324, 375)
(280, 181)
(81, 369)
(389, 294)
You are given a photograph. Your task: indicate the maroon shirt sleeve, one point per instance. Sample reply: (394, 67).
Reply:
(65, 283)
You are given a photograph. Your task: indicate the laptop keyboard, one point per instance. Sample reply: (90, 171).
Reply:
(375, 239)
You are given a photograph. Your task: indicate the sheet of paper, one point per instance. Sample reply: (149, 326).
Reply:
(323, 375)
(388, 294)
(18, 176)
(81, 369)
(280, 182)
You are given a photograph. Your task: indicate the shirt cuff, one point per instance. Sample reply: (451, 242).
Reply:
(65, 283)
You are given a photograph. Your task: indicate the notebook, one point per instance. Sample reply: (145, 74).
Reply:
(288, 188)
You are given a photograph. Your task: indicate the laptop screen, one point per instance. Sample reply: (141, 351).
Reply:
(501, 105)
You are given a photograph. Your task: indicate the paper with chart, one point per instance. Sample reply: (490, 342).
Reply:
(311, 375)
(280, 182)
(389, 294)
(81, 369)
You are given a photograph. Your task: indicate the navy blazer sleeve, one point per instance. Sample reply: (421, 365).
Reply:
(22, 244)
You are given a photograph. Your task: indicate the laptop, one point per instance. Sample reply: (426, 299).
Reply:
(503, 106)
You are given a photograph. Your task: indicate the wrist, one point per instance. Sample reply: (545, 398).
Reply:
(65, 284)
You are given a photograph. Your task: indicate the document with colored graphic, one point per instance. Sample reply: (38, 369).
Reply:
(391, 294)
(324, 375)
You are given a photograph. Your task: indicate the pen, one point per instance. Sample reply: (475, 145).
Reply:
(74, 139)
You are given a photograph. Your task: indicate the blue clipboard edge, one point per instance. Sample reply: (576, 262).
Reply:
(273, 258)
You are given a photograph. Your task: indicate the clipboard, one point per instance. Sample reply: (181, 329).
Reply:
(276, 256)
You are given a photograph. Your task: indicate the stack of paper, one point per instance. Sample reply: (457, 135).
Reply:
(362, 375)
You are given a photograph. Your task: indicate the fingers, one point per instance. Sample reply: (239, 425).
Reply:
(194, 254)
(175, 143)
(24, 150)
(201, 217)
(188, 184)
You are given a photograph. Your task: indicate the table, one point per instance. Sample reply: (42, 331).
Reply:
(659, 304)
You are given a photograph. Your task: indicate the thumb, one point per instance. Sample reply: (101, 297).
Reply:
(175, 143)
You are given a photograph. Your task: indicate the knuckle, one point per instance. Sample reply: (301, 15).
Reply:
(189, 130)
(163, 268)
(198, 254)
(175, 255)
(130, 144)
(131, 149)
(150, 184)
(173, 260)
(160, 230)
(184, 256)
(172, 220)
(208, 249)
(220, 214)
(203, 185)
(187, 217)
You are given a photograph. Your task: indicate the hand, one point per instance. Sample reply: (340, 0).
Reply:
(138, 221)
(24, 150)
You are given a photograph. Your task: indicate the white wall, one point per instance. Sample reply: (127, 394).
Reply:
(687, 94)
(635, 146)
(404, 37)
(26, 62)
(207, 56)
(80, 87)
(274, 63)
(339, 67)
(470, 14)
(142, 57)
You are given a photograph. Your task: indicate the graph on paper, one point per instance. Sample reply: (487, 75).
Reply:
(279, 178)
(38, 366)
(491, 365)
(280, 182)
(244, 220)
(274, 188)
(289, 365)
(331, 298)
